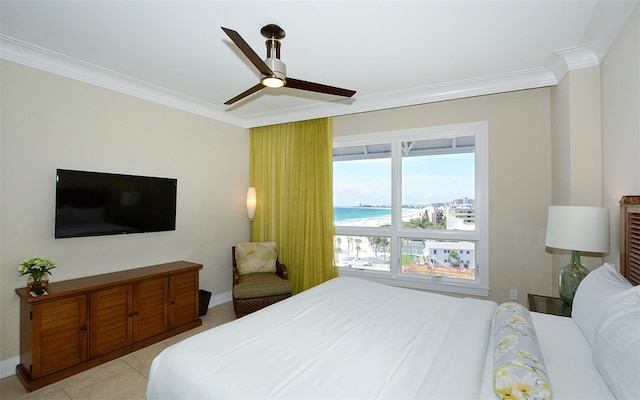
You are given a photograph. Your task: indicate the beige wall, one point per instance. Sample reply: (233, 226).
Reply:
(620, 71)
(51, 122)
(577, 139)
(576, 152)
(519, 177)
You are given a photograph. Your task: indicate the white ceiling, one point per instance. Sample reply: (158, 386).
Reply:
(393, 53)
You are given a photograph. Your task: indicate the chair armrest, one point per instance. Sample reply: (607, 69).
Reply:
(236, 275)
(281, 270)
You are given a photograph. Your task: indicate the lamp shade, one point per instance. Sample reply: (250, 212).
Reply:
(578, 228)
(251, 203)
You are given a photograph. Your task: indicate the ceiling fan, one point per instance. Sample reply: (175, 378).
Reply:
(274, 71)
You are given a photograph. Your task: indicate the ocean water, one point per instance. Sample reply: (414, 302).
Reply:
(341, 214)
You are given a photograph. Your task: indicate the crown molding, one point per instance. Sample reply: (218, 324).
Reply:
(529, 79)
(598, 35)
(39, 58)
(49, 61)
(606, 22)
(565, 60)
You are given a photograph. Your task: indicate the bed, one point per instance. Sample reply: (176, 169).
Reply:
(354, 339)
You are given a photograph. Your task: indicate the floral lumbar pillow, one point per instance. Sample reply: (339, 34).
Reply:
(518, 368)
(256, 257)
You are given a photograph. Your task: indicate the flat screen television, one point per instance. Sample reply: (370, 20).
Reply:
(97, 203)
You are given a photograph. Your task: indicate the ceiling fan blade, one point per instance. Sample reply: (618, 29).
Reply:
(317, 87)
(248, 52)
(245, 94)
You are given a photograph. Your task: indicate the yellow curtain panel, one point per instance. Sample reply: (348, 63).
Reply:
(291, 169)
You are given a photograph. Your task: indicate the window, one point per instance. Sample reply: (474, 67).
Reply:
(411, 207)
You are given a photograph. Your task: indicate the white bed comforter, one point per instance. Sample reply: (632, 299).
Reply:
(347, 338)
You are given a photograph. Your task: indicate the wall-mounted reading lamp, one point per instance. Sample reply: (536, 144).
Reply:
(251, 203)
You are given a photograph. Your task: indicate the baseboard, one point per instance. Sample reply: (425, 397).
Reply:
(8, 366)
(220, 299)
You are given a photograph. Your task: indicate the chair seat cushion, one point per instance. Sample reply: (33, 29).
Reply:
(259, 285)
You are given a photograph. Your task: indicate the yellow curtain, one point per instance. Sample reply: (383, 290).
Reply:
(291, 169)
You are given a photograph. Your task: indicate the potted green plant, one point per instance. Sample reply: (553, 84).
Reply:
(38, 269)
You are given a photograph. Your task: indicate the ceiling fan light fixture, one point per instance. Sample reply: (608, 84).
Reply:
(273, 82)
(278, 79)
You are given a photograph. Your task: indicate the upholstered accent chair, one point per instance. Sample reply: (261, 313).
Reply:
(259, 279)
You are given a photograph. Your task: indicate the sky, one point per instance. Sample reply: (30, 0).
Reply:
(426, 180)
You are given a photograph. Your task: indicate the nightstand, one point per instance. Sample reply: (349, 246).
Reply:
(548, 305)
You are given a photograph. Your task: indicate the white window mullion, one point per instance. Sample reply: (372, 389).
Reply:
(396, 205)
(482, 202)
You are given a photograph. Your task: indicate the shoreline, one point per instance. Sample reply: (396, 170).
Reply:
(407, 214)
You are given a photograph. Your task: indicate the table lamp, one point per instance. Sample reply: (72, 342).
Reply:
(577, 229)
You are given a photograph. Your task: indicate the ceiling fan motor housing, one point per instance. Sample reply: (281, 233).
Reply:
(278, 68)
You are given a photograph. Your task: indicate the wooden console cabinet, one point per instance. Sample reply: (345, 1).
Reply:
(85, 322)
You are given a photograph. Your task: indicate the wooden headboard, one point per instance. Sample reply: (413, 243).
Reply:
(630, 238)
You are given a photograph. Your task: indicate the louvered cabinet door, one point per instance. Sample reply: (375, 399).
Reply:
(150, 308)
(111, 319)
(59, 335)
(630, 232)
(183, 299)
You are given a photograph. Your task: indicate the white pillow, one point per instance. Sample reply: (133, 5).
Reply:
(616, 346)
(601, 288)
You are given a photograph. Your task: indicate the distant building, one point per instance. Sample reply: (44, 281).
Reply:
(461, 218)
(437, 216)
(450, 254)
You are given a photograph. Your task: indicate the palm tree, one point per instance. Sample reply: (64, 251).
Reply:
(454, 258)
(385, 245)
(358, 248)
(375, 242)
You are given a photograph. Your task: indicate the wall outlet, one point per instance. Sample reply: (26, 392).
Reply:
(514, 294)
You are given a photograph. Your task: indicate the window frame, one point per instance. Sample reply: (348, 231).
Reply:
(480, 236)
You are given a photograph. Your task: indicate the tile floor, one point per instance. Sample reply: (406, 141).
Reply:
(122, 378)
